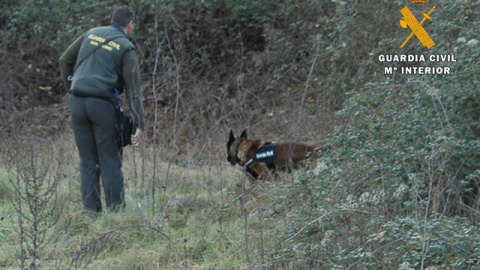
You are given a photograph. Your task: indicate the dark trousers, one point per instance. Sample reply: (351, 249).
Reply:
(93, 121)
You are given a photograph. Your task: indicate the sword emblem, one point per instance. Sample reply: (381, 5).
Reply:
(410, 21)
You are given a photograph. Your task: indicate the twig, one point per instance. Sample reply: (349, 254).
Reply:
(139, 225)
(377, 250)
(321, 217)
(177, 86)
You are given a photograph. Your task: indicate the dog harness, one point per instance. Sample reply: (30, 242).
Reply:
(266, 153)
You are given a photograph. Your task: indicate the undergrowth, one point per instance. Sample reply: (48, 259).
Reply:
(200, 217)
(398, 187)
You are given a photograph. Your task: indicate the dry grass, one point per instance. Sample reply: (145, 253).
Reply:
(179, 216)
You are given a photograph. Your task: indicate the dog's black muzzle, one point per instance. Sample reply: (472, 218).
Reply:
(232, 160)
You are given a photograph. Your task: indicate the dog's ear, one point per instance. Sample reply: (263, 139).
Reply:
(231, 139)
(244, 134)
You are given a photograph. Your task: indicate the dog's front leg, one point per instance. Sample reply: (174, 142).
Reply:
(262, 171)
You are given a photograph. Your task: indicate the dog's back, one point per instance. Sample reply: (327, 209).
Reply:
(290, 155)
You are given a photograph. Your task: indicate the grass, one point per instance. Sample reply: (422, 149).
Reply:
(187, 217)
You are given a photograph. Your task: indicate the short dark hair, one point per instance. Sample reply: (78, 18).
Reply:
(123, 16)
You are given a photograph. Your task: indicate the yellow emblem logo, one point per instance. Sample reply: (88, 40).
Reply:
(409, 21)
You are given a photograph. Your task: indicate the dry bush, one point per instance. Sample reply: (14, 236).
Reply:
(34, 175)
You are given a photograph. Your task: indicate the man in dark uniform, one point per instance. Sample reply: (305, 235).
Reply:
(106, 64)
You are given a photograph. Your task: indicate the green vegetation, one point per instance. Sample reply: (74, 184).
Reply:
(398, 187)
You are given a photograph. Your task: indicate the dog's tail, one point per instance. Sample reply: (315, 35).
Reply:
(310, 144)
(318, 151)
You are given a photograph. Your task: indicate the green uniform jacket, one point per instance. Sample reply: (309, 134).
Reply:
(113, 66)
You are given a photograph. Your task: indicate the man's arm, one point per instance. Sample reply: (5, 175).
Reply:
(133, 87)
(68, 59)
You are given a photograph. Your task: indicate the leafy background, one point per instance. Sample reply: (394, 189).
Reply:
(396, 189)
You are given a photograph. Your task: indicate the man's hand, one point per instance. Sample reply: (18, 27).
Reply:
(136, 137)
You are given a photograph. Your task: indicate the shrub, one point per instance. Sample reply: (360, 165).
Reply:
(401, 177)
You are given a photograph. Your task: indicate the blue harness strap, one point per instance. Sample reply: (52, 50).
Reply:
(265, 154)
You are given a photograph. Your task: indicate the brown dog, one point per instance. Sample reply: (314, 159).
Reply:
(260, 158)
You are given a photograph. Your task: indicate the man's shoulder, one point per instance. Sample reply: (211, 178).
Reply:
(100, 29)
